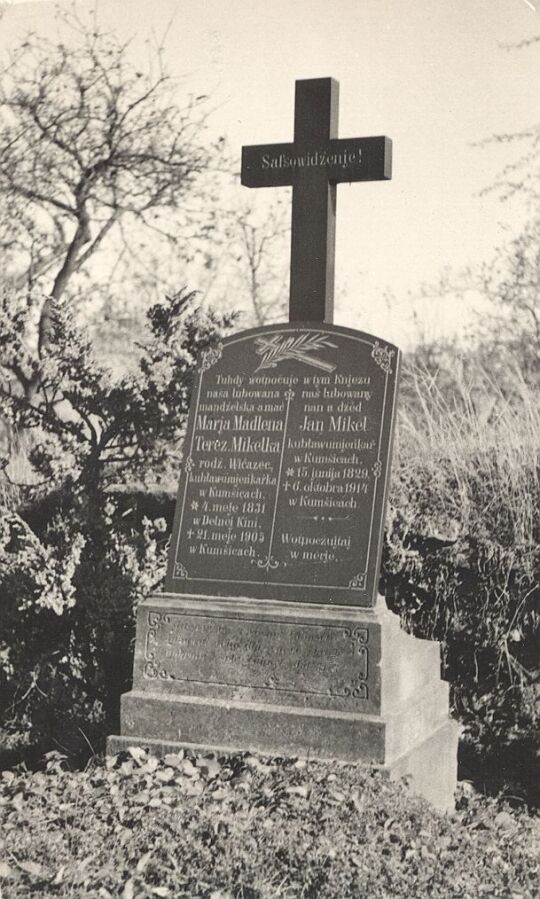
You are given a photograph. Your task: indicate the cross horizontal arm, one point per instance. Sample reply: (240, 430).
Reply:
(341, 160)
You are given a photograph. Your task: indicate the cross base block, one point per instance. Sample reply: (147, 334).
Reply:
(291, 679)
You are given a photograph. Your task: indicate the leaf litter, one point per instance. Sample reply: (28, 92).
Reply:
(245, 827)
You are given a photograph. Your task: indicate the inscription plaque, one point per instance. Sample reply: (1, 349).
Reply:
(322, 665)
(286, 464)
(355, 159)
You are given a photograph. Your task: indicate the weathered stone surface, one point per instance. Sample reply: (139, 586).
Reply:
(285, 730)
(281, 653)
(431, 767)
(282, 679)
(287, 457)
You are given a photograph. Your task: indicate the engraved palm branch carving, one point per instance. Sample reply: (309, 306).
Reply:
(277, 348)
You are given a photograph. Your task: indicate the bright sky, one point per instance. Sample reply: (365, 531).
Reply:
(434, 75)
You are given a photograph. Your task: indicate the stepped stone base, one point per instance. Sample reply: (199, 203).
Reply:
(290, 679)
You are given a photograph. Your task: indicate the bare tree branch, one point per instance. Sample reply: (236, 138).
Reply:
(86, 140)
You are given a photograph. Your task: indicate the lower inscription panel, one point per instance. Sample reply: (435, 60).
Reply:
(315, 665)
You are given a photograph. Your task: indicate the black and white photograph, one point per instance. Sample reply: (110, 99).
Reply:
(269, 436)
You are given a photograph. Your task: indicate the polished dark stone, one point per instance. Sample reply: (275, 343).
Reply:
(313, 165)
(286, 465)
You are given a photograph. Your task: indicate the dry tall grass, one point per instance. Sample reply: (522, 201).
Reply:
(474, 447)
(462, 562)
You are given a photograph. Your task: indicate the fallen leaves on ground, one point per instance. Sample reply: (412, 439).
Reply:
(244, 827)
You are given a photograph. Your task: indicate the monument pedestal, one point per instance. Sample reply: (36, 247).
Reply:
(291, 679)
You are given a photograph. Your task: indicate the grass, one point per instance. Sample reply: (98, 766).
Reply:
(463, 550)
(243, 828)
(476, 445)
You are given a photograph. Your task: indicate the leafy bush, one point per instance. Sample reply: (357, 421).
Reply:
(462, 558)
(244, 828)
(72, 566)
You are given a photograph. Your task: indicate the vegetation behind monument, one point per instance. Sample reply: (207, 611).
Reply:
(461, 557)
(76, 555)
(74, 558)
(104, 169)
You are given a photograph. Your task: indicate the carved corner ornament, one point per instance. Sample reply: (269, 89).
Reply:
(358, 635)
(382, 356)
(151, 669)
(377, 469)
(356, 689)
(155, 619)
(358, 582)
(180, 570)
(210, 357)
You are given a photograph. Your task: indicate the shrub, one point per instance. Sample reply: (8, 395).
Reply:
(238, 827)
(462, 561)
(72, 566)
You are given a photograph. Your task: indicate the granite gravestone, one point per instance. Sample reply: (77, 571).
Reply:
(287, 453)
(270, 635)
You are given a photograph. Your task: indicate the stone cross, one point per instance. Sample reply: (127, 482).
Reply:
(314, 164)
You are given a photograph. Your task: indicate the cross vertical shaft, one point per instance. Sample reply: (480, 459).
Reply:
(313, 201)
